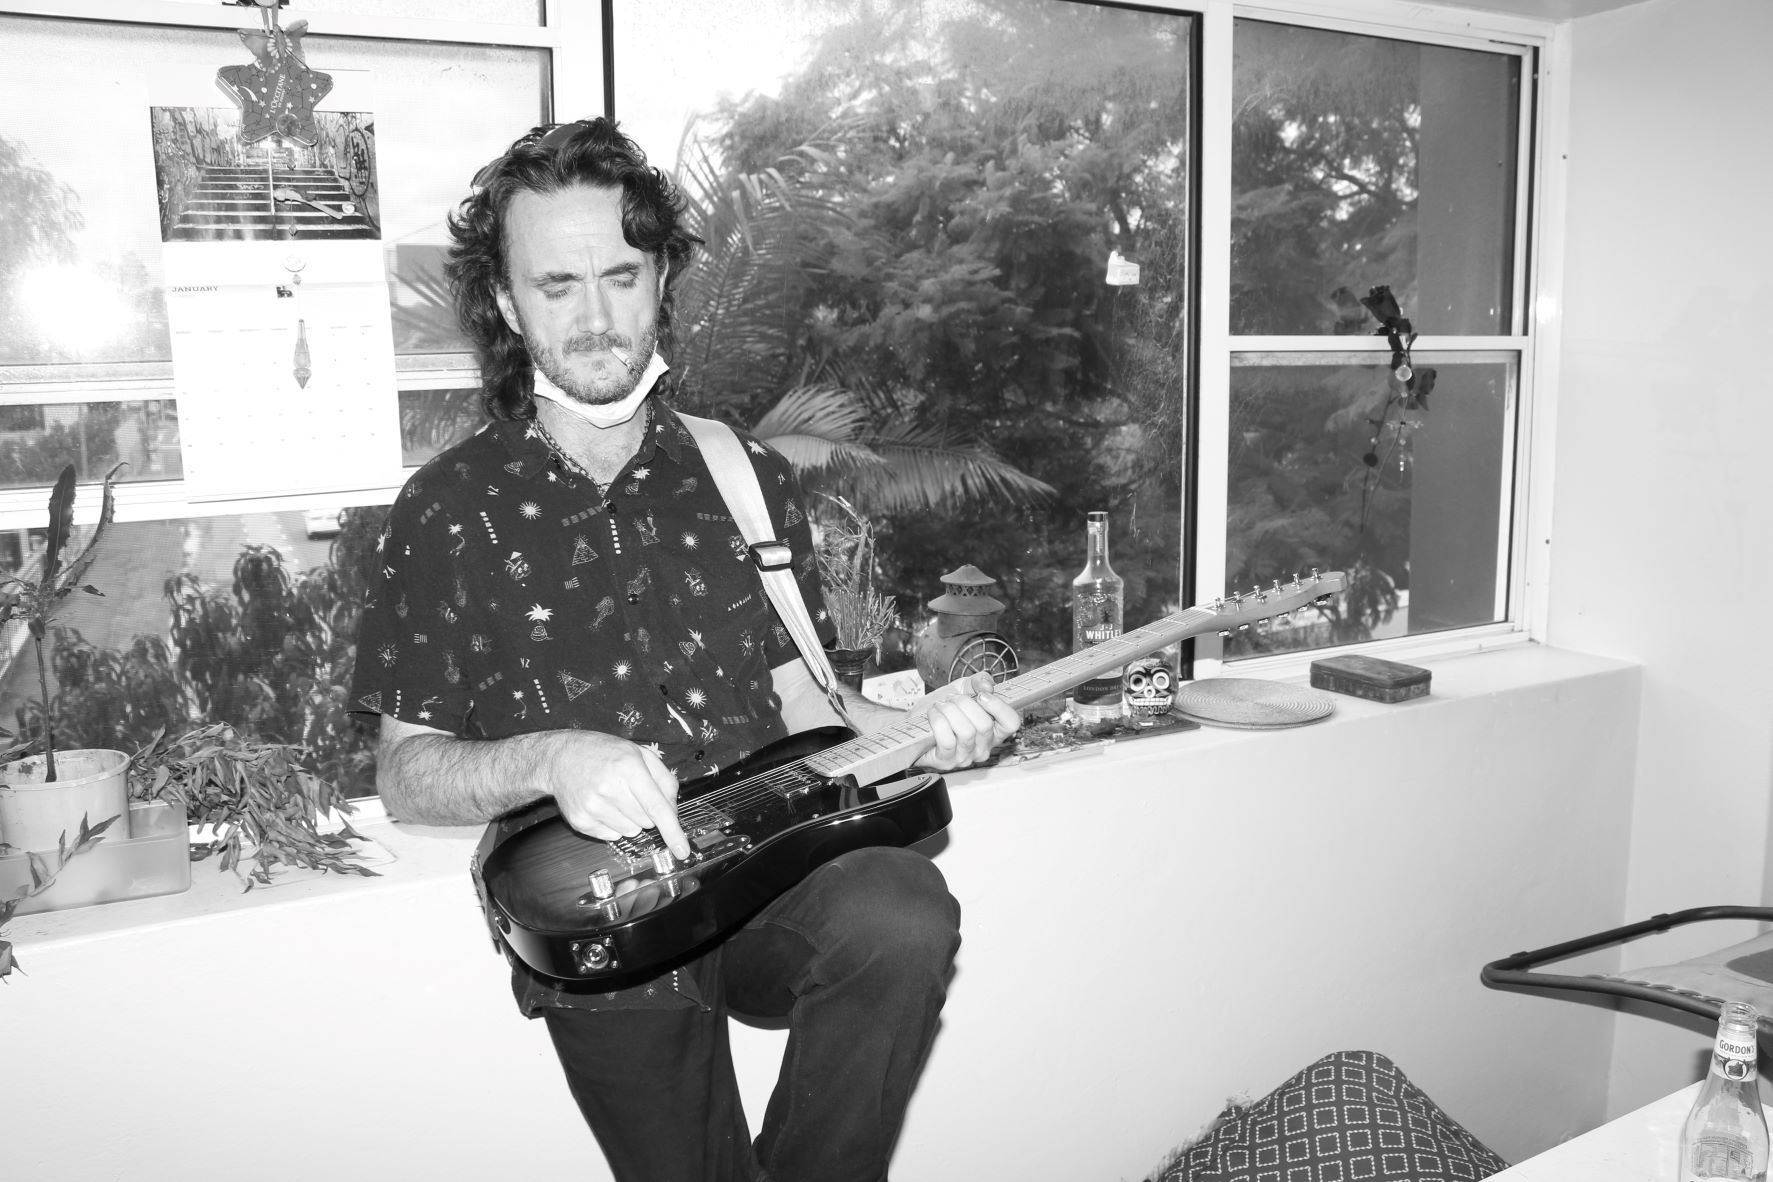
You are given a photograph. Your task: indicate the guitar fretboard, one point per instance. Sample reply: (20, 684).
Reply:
(1025, 689)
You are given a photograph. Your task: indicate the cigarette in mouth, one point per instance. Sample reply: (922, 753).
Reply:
(620, 354)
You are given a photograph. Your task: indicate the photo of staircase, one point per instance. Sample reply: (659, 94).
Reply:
(213, 188)
(242, 201)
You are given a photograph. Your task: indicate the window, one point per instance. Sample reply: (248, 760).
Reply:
(1361, 162)
(912, 212)
(964, 264)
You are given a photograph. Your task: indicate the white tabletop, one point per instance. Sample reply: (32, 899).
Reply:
(1637, 1147)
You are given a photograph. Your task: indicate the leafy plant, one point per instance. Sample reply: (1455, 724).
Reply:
(37, 601)
(860, 613)
(262, 800)
(271, 656)
(43, 876)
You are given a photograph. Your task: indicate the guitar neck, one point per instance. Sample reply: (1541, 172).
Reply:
(874, 757)
(1028, 688)
(912, 737)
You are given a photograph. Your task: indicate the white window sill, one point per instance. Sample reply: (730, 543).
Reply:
(417, 857)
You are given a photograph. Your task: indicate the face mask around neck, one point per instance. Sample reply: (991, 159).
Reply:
(608, 414)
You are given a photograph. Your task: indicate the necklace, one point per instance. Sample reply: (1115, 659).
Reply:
(561, 454)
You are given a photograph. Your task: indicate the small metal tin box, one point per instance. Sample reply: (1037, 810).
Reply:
(1370, 677)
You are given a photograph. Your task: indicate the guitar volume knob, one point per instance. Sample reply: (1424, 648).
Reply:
(663, 862)
(601, 886)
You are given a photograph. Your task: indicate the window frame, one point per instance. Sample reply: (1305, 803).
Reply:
(1520, 582)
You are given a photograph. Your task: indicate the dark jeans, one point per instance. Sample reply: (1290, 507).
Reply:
(856, 957)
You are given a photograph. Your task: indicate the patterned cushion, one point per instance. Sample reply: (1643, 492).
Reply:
(1349, 1117)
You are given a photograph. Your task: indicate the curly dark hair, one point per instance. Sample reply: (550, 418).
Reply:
(549, 159)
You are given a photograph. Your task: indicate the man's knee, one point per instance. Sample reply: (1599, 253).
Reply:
(897, 902)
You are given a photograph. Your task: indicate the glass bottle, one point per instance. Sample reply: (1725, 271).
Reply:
(1725, 1137)
(1098, 600)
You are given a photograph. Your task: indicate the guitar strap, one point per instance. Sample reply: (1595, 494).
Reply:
(737, 481)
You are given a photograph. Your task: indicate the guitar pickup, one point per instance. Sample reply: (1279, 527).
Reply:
(718, 846)
(703, 840)
(804, 782)
(699, 819)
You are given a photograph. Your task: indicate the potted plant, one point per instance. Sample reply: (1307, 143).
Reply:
(48, 793)
(860, 613)
(260, 803)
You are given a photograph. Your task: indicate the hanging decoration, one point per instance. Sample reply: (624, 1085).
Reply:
(277, 93)
(1407, 389)
(303, 368)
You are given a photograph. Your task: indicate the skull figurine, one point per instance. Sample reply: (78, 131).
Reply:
(1149, 689)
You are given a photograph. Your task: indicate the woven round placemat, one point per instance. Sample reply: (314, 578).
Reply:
(1248, 703)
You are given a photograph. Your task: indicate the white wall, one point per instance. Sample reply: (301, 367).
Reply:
(1663, 530)
(1149, 931)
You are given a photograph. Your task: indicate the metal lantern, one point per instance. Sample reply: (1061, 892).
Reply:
(960, 639)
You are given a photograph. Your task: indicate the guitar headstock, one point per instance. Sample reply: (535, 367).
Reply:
(1241, 610)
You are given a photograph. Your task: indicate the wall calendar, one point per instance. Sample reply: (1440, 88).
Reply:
(277, 299)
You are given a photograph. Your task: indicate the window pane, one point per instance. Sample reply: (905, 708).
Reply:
(910, 211)
(1329, 469)
(1359, 161)
(80, 261)
(431, 420)
(37, 442)
(249, 620)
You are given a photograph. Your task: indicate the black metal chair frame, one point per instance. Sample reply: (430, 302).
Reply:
(1515, 972)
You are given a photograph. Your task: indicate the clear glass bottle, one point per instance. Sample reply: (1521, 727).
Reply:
(1098, 601)
(1725, 1137)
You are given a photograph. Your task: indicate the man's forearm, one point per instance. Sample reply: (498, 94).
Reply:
(869, 715)
(436, 779)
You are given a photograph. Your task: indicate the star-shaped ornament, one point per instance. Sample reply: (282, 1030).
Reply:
(277, 92)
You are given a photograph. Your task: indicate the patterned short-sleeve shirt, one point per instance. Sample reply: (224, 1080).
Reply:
(516, 596)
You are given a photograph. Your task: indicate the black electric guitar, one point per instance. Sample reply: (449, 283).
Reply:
(579, 909)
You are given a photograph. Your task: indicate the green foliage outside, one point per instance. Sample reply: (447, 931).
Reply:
(1323, 177)
(903, 290)
(1327, 185)
(90, 445)
(271, 655)
(43, 219)
(42, 216)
